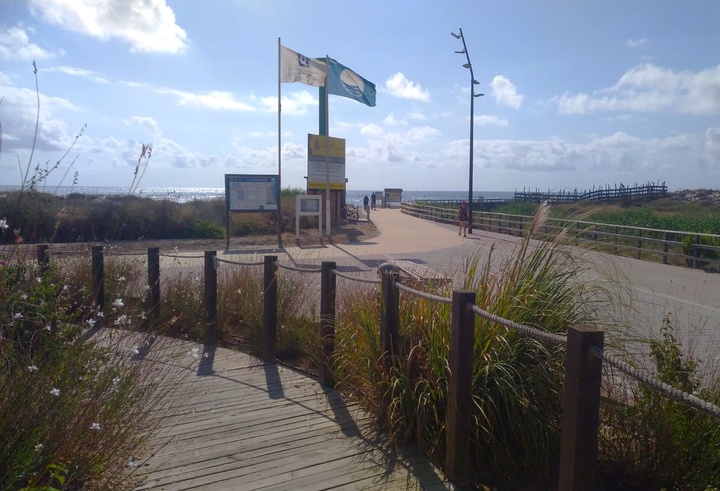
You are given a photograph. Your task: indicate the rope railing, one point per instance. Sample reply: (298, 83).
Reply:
(58, 252)
(355, 278)
(428, 296)
(299, 270)
(584, 353)
(238, 263)
(177, 256)
(655, 383)
(530, 331)
(113, 253)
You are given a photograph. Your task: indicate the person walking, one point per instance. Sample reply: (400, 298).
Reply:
(373, 201)
(365, 205)
(463, 219)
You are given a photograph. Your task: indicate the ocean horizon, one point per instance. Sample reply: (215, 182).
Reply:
(185, 194)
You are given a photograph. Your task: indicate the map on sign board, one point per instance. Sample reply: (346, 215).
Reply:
(247, 192)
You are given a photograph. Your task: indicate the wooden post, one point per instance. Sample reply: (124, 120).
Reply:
(327, 322)
(98, 275)
(665, 247)
(153, 306)
(42, 257)
(457, 427)
(581, 406)
(640, 243)
(210, 298)
(390, 313)
(270, 309)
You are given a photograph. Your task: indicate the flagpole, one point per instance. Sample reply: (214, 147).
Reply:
(328, 231)
(279, 197)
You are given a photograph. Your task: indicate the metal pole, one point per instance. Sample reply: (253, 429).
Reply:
(328, 231)
(473, 95)
(279, 197)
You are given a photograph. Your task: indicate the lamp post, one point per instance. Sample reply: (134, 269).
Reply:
(473, 95)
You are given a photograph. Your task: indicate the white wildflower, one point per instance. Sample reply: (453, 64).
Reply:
(48, 328)
(122, 278)
(118, 303)
(18, 316)
(24, 297)
(55, 392)
(33, 368)
(116, 381)
(38, 279)
(39, 447)
(135, 350)
(122, 320)
(95, 426)
(90, 322)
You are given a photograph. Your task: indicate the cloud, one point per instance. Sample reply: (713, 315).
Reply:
(391, 120)
(505, 92)
(15, 45)
(402, 88)
(215, 100)
(18, 113)
(76, 72)
(294, 104)
(371, 130)
(147, 25)
(653, 89)
(490, 120)
(636, 43)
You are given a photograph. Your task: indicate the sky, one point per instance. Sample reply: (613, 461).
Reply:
(577, 93)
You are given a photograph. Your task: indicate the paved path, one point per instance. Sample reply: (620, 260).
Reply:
(652, 289)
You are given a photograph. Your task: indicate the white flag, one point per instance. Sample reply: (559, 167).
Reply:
(295, 67)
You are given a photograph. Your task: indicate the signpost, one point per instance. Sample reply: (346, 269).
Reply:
(247, 193)
(307, 205)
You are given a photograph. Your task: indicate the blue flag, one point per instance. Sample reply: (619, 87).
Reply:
(344, 82)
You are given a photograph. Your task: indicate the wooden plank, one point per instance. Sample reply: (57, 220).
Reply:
(249, 425)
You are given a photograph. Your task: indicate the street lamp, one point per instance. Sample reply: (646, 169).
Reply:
(473, 95)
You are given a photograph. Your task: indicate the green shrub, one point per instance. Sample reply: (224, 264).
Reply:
(697, 249)
(204, 229)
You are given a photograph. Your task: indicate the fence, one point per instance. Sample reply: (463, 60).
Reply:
(604, 195)
(693, 249)
(584, 357)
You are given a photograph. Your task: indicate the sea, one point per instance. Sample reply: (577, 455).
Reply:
(185, 194)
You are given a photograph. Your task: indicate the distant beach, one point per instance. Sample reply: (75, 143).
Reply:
(183, 195)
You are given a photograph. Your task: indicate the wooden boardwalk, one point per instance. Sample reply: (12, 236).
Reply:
(237, 423)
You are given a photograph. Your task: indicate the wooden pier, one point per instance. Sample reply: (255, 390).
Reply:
(238, 423)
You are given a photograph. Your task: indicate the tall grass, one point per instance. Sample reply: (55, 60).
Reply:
(74, 412)
(517, 382)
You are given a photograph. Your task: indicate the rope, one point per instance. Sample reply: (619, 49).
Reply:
(530, 331)
(236, 263)
(111, 253)
(181, 257)
(66, 253)
(300, 270)
(355, 278)
(657, 384)
(428, 296)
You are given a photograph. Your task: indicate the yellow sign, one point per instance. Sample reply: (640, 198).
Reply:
(326, 170)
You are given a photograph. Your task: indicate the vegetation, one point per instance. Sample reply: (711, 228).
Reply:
(45, 217)
(76, 409)
(699, 216)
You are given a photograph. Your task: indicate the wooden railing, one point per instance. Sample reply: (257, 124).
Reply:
(667, 246)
